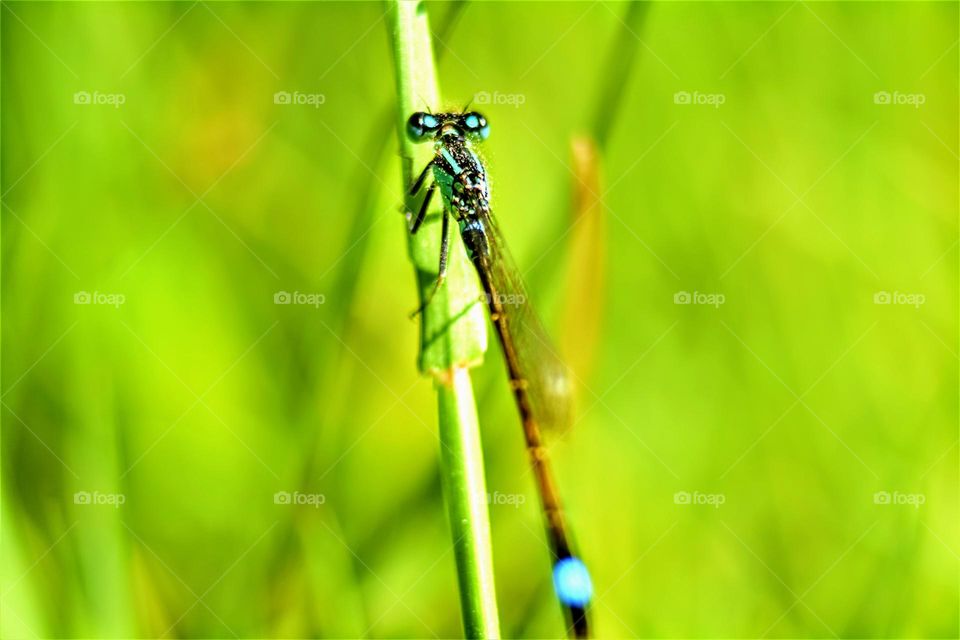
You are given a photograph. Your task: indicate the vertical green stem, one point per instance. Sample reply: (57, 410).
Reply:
(452, 337)
(466, 496)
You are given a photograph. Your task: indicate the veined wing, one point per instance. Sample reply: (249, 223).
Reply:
(545, 375)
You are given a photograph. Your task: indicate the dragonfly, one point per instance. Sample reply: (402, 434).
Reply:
(538, 377)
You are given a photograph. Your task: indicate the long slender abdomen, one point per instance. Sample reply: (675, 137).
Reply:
(571, 578)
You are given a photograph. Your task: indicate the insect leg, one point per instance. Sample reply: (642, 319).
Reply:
(444, 254)
(415, 188)
(424, 207)
(444, 250)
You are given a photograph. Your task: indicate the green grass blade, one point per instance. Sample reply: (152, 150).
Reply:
(453, 337)
(453, 325)
(466, 497)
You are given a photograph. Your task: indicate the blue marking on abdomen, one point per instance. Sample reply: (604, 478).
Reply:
(474, 237)
(571, 580)
(471, 224)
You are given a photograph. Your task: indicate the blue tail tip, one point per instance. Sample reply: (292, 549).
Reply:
(571, 579)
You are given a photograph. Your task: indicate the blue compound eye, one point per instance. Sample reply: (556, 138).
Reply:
(421, 125)
(572, 582)
(476, 124)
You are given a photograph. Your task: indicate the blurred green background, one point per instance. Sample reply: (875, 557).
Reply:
(783, 464)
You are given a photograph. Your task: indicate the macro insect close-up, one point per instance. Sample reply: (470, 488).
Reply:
(452, 319)
(538, 377)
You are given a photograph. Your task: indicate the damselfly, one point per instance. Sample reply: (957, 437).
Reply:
(537, 375)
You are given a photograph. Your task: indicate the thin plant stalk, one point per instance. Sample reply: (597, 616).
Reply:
(452, 337)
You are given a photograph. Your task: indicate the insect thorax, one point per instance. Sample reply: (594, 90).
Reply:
(462, 178)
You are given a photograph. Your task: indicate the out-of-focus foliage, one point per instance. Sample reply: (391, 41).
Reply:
(738, 469)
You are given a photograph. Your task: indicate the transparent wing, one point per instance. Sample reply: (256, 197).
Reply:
(546, 376)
